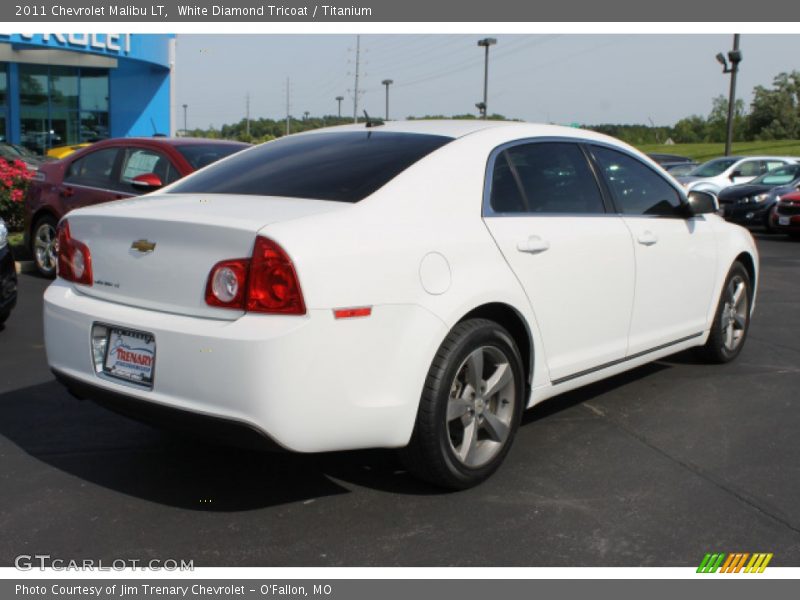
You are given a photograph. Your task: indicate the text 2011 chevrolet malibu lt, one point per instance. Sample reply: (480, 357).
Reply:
(412, 285)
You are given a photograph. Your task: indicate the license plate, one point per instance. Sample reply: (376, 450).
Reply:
(130, 355)
(784, 220)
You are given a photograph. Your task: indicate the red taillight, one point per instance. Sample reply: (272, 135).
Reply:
(74, 258)
(265, 283)
(272, 285)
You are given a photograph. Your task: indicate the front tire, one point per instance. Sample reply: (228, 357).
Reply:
(470, 407)
(732, 318)
(4, 316)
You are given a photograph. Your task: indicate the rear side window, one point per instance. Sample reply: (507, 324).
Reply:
(345, 167)
(637, 189)
(94, 169)
(202, 155)
(544, 178)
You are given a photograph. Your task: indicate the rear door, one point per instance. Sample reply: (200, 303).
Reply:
(675, 254)
(90, 179)
(575, 260)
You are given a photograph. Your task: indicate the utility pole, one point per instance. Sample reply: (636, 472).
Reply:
(387, 83)
(288, 126)
(483, 106)
(735, 57)
(355, 93)
(185, 129)
(339, 100)
(247, 114)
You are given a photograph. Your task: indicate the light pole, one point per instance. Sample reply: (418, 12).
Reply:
(482, 106)
(735, 57)
(387, 83)
(339, 100)
(185, 106)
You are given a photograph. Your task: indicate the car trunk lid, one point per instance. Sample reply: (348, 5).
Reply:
(156, 252)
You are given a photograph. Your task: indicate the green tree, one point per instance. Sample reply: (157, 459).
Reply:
(717, 123)
(775, 112)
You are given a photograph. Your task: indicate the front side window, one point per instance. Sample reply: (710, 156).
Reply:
(344, 166)
(637, 189)
(95, 169)
(750, 168)
(142, 161)
(544, 178)
(713, 168)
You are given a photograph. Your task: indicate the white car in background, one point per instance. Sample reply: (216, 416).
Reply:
(411, 285)
(717, 174)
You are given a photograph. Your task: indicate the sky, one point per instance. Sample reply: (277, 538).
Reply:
(568, 78)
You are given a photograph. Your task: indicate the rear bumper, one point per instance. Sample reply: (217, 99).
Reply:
(8, 280)
(309, 383)
(162, 416)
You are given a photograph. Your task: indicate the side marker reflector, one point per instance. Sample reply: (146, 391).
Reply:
(349, 313)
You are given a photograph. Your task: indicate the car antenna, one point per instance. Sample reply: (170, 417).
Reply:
(372, 122)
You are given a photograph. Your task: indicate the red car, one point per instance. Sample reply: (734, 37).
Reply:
(785, 217)
(108, 170)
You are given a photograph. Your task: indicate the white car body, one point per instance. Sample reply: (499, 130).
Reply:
(751, 166)
(592, 295)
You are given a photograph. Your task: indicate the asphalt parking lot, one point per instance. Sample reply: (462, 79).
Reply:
(654, 467)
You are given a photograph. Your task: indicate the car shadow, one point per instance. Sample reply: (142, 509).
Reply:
(103, 448)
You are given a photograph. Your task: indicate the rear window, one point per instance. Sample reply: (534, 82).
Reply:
(201, 155)
(343, 166)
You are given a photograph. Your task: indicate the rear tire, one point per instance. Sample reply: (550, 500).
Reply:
(4, 316)
(470, 407)
(732, 318)
(43, 239)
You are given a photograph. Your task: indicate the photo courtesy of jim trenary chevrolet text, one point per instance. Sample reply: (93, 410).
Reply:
(399, 299)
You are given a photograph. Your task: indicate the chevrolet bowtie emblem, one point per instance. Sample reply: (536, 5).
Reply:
(143, 246)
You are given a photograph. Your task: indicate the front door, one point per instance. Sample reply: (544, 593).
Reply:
(675, 254)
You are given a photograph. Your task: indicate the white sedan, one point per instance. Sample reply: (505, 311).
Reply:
(409, 285)
(717, 174)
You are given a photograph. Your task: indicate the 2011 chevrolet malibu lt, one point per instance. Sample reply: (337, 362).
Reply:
(409, 285)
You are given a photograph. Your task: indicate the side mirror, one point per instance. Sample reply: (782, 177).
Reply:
(702, 203)
(147, 182)
(735, 174)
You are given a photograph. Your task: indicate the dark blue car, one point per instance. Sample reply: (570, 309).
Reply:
(751, 203)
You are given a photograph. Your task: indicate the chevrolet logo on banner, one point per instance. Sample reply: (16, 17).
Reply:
(735, 562)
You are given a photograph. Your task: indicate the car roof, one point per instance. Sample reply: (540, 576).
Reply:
(176, 141)
(456, 128)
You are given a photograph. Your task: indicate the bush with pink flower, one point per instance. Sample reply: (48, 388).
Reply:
(14, 178)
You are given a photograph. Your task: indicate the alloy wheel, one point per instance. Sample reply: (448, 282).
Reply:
(734, 313)
(481, 407)
(44, 242)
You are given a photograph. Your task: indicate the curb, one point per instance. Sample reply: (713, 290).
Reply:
(25, 266)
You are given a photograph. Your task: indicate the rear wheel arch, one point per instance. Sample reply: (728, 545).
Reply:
(44, 211)
(512, 321)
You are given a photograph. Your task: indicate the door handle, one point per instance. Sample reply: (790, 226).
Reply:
(533, 245)
(647, 238)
